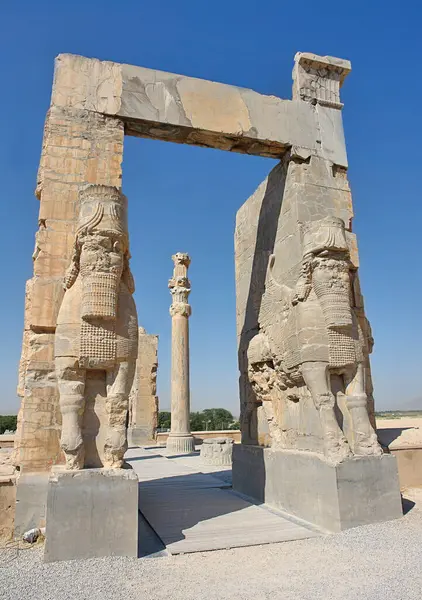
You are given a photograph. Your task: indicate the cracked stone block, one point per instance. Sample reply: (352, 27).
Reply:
(217, 451)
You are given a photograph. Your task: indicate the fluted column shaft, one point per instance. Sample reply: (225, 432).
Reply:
(180, 439)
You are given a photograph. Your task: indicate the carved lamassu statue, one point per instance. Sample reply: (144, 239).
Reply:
(313, 339)
(97, 324)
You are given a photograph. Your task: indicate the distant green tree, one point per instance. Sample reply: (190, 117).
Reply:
(217, 418)
(197, 421)
(8, 422)
(164, 419)
(209, 419)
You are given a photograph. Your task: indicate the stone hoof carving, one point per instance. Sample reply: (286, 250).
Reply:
(72, 441)
(97, 323)
(115, 448)
(72, 403)
(365, 441)
(336, 447)
(316, 377)
(72, 445)
(311, 335)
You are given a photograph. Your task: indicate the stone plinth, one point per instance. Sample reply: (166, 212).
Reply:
(31, 499)
(217, 451)
(355, 492)
(91, 513)
(7, 501)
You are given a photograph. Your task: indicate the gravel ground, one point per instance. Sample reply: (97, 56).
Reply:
(376, 562)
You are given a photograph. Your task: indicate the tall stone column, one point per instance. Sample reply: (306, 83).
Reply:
(180, 439)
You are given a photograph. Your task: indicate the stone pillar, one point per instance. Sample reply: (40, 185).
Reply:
(143, 416)
(304, 339)
(180, 438)
(80, 146)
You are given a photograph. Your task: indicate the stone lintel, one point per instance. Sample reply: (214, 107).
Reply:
(187, 110)
(166, 106)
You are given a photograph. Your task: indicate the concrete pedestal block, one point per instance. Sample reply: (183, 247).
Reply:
(355, 492)
(91, 513)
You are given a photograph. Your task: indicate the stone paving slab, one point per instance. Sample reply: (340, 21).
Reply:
(197, 520)
(191, 512)
(194, 461)
(155, 469)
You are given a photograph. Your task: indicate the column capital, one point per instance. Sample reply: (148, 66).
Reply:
(179, 285)
(181, 258)
(318, 79)
(180, 308)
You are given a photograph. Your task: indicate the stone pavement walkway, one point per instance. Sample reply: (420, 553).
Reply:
(374, 562)
(191, 507)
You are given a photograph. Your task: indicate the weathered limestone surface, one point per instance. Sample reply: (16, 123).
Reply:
(180, 439)
(97, 332)
(143, 411)
(304, 340)
(187, 110)
(79, 147)
(217, 451)
(92, 513)
(290, 234)
(272, 223)
(83, 143)
(92, 101)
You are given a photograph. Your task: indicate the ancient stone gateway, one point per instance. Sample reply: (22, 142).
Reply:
(307, 439)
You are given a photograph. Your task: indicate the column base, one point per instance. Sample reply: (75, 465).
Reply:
(180, 444)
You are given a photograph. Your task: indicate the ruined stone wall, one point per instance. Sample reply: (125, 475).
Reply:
(256, 226)
(143, 412)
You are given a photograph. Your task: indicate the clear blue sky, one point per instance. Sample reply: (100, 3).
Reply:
(185, 199)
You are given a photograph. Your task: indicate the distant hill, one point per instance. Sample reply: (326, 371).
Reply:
(396, 414)
(414, 404)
